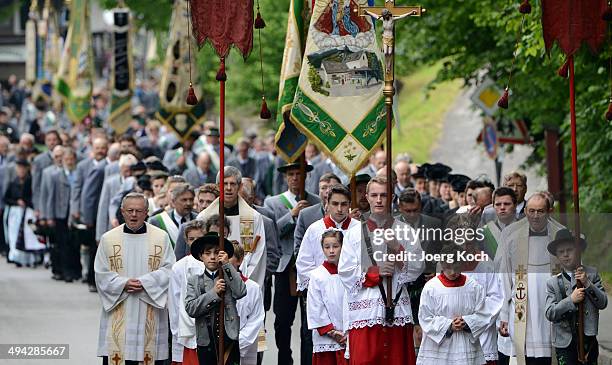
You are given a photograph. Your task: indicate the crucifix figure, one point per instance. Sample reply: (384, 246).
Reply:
(389, 14)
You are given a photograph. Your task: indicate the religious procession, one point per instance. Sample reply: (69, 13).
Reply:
(313, 182)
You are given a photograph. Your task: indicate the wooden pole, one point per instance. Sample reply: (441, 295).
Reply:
(354, 203)
(389, 91)
(302, 193)
(221, 350)
(576, 198)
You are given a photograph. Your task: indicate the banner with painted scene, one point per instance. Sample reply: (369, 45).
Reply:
(174, 111)
(289, 141)
(76, 71)
(122, 72)
(339, 104)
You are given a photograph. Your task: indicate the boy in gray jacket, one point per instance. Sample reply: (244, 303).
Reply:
(563, 298)
(203, 299)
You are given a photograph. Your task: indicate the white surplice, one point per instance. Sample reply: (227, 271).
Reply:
(311, 255)
(366, 307)
(324, 306)
(182, 326)
(251, 313)
(439, 305)
(135, 256)
(485, 275)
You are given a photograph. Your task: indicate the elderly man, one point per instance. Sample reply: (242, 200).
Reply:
(133, 267)
(44, 188)
(84, 198)
(286, 208)
(42, 161)
(246, 225)
(202, 173)
(112, 186)
(525, 265)
(182, 200)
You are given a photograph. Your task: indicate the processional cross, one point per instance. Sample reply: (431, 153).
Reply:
(389, 13)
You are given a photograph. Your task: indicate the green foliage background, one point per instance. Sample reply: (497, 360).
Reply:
(473, 38)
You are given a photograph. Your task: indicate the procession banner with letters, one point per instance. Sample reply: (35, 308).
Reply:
(122, 72)
(289, 141)
(174, 111)
(75, 76)
(339, 104)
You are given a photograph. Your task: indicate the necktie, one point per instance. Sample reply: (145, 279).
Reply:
(184, 219)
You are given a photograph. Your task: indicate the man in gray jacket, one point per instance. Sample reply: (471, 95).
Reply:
(286, 207)
(203, 298)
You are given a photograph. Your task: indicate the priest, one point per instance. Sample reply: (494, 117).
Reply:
(132, 271)
(246, 226)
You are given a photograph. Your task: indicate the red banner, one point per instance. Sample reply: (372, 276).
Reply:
(223, 23)
(571, 22)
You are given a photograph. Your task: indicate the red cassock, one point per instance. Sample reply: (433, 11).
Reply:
(382, 345)
(329, 358)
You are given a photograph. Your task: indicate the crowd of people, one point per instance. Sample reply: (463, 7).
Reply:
(136, 217)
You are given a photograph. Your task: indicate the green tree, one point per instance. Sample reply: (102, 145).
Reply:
(477, 38)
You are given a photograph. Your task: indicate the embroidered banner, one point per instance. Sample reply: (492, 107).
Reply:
(121, 72)
(339, 103)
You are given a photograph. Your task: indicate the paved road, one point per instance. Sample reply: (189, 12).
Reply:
(36, 309)
(458, 149)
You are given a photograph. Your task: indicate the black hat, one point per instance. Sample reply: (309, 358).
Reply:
(562, 236)
(144, 182)
(458, 182)
(22, 162)
(213, 132)
(138, 166)
(156, 166)
(420, 173)
(210, 240)
(437, 171)
(362, 178)
(293, 165)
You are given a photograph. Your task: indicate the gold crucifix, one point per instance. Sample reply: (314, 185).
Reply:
(389, 13)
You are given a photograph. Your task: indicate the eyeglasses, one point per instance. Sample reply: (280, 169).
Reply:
(134, 211)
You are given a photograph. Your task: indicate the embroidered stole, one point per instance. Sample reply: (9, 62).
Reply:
(116, 332)
(521, 295)
(247, 238)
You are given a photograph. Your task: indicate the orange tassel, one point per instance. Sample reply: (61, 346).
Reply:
(503, 101)
(609, 112)
(265, 112)
(525, 7)
(563, 71)
(259, 22)
(221, 75)
(192, 99)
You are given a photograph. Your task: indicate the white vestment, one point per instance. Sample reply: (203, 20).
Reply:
(366, 307)
(182, 326)
(133, 257)
(485, 275)
(254, 264)
(311, 254)
(439, 305)
(538, 332)
(251, 314)
(325, 306)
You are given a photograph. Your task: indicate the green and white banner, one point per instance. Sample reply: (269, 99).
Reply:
(289, 141)
(339, 104)
(75, 76)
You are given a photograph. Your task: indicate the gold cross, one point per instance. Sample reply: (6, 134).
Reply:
(520, 273)
(116, 359)
(395, 10)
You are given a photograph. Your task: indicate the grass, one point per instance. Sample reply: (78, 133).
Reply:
(421, 114)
